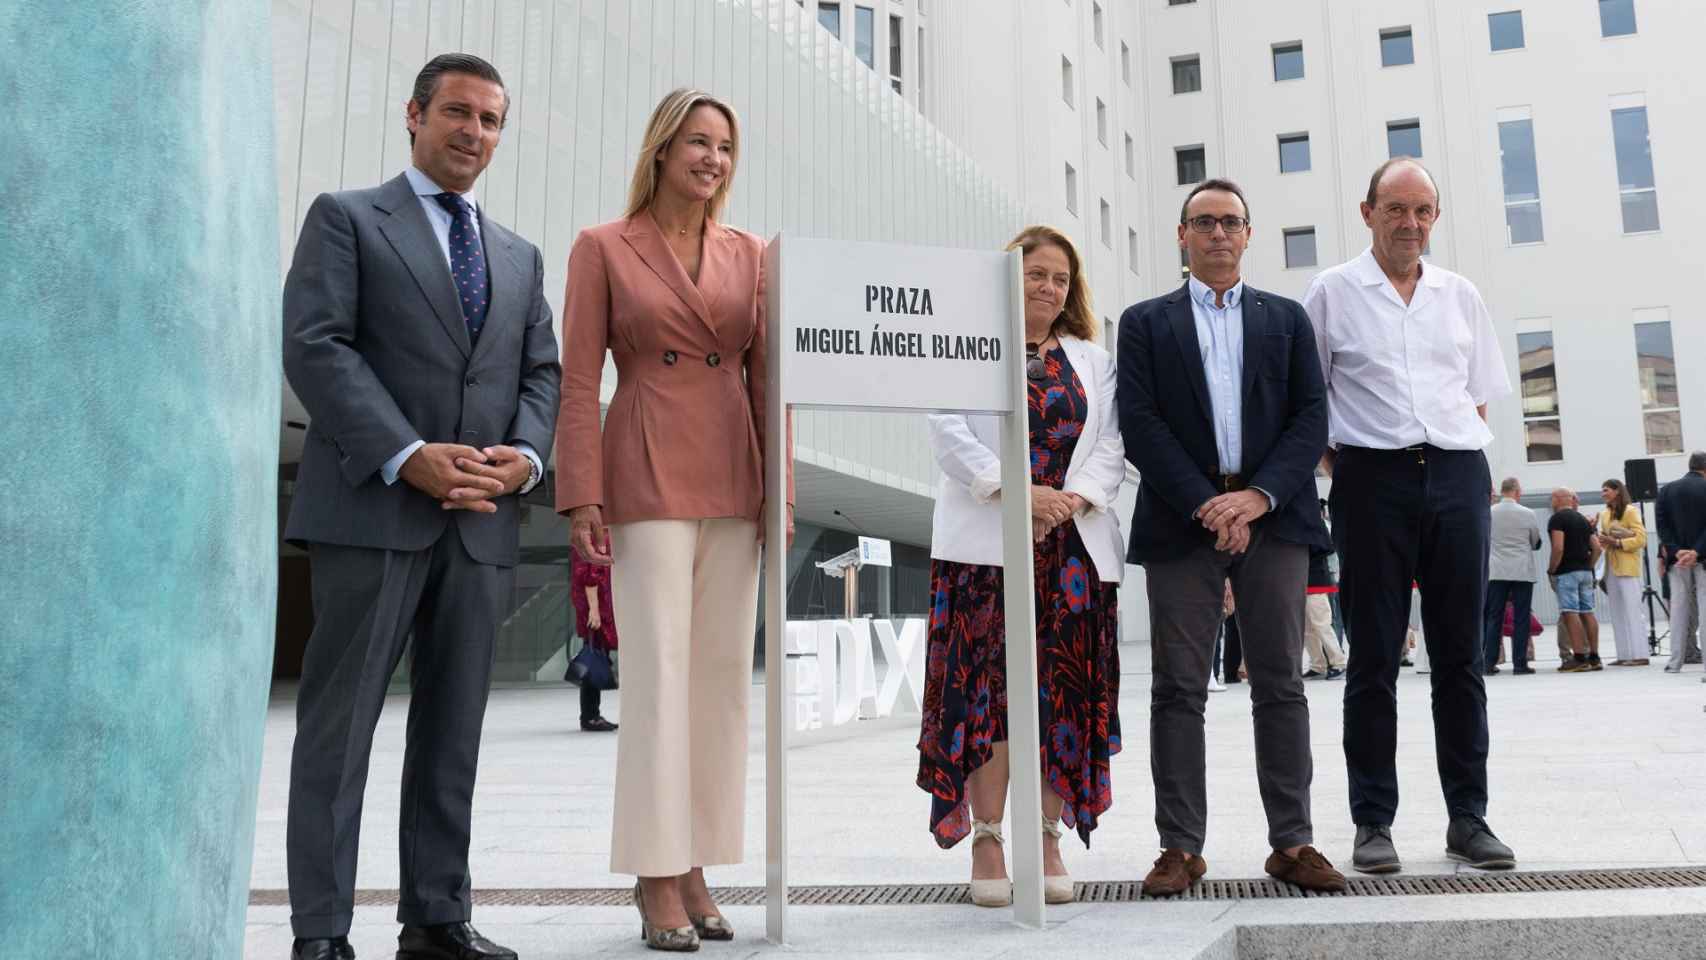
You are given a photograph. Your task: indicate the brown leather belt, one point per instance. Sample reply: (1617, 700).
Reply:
(1227, 482)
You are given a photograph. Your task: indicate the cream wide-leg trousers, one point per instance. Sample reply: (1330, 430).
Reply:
(685, 593)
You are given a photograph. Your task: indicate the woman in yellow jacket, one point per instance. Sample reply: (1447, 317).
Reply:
(1623, 538)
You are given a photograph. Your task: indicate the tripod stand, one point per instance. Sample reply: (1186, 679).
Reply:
(1650, 595)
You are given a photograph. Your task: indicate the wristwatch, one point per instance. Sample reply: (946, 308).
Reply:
(532, 474)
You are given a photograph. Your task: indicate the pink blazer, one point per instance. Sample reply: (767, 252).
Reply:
(684, 435)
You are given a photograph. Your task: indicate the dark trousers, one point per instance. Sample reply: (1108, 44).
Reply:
(366, 604)
(1398, 516)
(591, 697)
(1520, 595)
(1184, 613)
(1232, 649)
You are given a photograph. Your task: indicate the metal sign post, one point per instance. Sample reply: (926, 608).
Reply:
(902, 328)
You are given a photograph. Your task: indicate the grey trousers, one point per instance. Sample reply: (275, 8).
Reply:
(1684, 609)
(1268, 584)
(366, 603)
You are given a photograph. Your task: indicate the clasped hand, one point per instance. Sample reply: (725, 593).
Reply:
(461, 477)
(1050, 508)
(1229, 517)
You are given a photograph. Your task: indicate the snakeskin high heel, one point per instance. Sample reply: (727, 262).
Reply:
(673, 939)
(712, 926)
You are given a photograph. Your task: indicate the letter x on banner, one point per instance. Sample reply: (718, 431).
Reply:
(892, 327)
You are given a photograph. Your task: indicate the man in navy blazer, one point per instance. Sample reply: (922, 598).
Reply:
(1224, 414)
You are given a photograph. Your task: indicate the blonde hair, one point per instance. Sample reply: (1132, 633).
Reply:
(671, 112)
(1077, 318)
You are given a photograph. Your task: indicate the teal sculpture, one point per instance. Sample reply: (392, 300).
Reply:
(139, 433)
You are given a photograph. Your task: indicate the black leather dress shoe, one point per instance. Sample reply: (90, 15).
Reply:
(597, 724)
(322, 948)
(448, 941)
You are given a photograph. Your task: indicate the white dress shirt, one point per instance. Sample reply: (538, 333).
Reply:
(1220, 337)
(1402, 374)
(440, 220)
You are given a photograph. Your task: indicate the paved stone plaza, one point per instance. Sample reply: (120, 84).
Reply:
(1588, 771)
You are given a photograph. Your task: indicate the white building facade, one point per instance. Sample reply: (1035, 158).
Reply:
(1557, 130)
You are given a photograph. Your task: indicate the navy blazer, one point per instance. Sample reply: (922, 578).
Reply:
(1165, 418)
(1680, 514)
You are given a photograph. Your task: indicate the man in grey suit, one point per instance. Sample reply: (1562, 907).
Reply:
(1510, 576)
(418, 337)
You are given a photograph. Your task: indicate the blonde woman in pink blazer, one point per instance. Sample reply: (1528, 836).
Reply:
(670, 489)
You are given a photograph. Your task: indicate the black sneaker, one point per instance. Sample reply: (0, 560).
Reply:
(1471, 841)
(1406, 662)
(1523, 671)
(1594, 664)
(1334, 673)
(1313, 675)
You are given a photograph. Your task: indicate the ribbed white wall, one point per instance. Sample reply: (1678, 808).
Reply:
(828, 149)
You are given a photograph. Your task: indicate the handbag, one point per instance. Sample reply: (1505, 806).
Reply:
(591, 667)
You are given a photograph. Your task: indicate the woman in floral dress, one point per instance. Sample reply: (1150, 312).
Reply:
(1077, 465)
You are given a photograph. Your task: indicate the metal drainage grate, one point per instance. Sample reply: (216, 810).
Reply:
(1095, 891)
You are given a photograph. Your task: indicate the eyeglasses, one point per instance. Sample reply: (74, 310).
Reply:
(1205, 224)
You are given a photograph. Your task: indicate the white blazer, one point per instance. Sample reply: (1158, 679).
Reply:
(967, 523)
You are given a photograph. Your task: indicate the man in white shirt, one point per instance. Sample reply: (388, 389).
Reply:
(1410, 359)
(1510, 575)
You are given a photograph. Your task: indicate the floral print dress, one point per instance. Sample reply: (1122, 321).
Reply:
(965, 684)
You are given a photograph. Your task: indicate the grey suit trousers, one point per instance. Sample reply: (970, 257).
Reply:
(1268, 585)
(366, 605)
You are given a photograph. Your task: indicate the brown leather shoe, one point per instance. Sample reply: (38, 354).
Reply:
(1309, 870)
(1173, 873)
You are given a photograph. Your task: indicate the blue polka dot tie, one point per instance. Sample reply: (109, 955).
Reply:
(467, 262)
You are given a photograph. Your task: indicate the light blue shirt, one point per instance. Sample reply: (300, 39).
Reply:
(440, 220)
(1220, 335)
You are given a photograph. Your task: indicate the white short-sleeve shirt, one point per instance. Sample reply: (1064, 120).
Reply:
(1402, 374)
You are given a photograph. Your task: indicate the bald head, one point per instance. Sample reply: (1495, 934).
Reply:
(1563, 498)
(1392, 168)
(1400, 212)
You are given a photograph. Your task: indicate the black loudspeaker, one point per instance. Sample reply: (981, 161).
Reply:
(1641, 478)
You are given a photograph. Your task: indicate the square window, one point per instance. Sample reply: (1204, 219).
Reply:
(1187, 75)
(1300, 247)
(1125, 63)
(1641, 211)
(1616, 18)
(1294, 153)
(1522, 222)
(1096, 20)
(1066, 80)
(829, 15)
(1504, 30)
(1191, 164)
(1288, 61)
(1544, 440)
(1397, 47)
(1071, 190)
(1404, 138)
(1107, 225)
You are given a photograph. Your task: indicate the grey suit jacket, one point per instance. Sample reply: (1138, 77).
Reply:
(376, 348)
